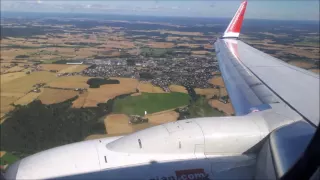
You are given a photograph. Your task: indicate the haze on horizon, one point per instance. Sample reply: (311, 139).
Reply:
(257, 9)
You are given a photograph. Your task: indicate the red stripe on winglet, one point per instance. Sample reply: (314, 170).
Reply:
(236, 23)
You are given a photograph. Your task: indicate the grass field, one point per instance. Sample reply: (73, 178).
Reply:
(52, 96)
(150, 102)
(24, 84)
(201, 108)
(7, 158)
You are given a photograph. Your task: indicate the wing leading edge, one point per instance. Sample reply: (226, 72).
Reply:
(255, 80)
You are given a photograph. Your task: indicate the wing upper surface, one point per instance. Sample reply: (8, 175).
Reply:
(254, 78)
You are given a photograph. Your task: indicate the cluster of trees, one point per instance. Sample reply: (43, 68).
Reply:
(22, 56)
(96, 82)
(36, 127)
(145, 75)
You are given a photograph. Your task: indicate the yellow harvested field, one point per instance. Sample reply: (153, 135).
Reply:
(5, 103)
(25, 84)
(96, 136)
(162, 117)
(55, 67)
(148, 87)
(200, 39)
(11, 76)
(208, 92)
(218, 81)
(161, 45)
(226, 108)
(183, 33)
(199, 52)
(79, 102)
(73, 68)
(70, 82)
(110, 91)
(317, 71)
(138, 127)
(2, 153)
(177, 88)
(117, 123)
(223, 92)
(52, 96)
(189, 45)
(14, 69)
(301, 64)
(31, 96)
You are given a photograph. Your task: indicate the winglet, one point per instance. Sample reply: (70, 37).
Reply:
(233, 29)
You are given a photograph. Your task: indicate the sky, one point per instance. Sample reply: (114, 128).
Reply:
(257, 9)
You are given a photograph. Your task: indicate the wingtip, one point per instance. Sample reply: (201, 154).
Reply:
(234, 27)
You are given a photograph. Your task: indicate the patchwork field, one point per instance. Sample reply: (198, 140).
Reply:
(25, 84)
(52, 96)
(11, 76)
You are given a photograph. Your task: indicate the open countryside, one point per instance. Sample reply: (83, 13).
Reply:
(67, 79)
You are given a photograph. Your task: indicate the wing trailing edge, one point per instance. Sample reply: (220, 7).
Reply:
(234, 27)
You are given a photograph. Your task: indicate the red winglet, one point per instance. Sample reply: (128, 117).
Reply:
(233, 29)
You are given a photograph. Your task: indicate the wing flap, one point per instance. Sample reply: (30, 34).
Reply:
(246, 91)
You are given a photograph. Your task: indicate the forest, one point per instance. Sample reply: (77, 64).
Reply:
(36, 127)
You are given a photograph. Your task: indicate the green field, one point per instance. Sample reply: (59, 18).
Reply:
(150, 102)
(8, 159)
(201, 108)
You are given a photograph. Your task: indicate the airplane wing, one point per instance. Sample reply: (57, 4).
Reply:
(255, 81)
